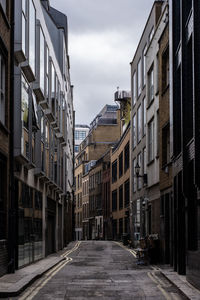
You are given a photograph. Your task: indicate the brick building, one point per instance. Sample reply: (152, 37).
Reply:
(5, 128)
(104, 133)
(120, 171)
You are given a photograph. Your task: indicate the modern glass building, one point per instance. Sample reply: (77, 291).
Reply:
(43, 130)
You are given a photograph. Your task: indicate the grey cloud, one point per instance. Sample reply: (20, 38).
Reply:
(103, 35)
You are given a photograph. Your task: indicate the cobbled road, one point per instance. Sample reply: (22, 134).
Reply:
(102, 270)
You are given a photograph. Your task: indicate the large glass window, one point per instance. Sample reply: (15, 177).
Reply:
(47, 72)
(126, 157)
(42, 67)
(139, 124)
(114, 200)
(134, 131)
(139, 74)
(121, 164)
(144, 115)
(151, 140)
(151, 84)
(121, 197)
(114, 171)
(134, 88)
(24, 25)
(139, 179)
(30, 245)
(32, 24)
(134, 175)
(2, 89)
(144, 65)
(25, 117)
(126, 193)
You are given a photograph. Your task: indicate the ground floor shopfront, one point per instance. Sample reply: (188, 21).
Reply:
(39, 223)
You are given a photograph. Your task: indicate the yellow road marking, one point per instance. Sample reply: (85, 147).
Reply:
(129, 250)
(155, 280)
(33, 291)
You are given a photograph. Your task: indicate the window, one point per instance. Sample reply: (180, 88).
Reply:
(42, 52)
(139, 74)
(25, 116)
(2, 89)
(126, 157)
(134, 175)
(165, 69)
(134, 86)
(151, 140)
(139, 179)
(121, 164)
(139, 124)
(3, 4)
(151, 84)
(114, 171)
(144, 116)
(114, 200)
(47, 73)
(134, 131)
(80, 135)
(126, 193)
(144, 161)
(76, 148)
(32, 29)
(24, 25)
(165, 145)
(144, 65)
(151, 34)
(121, 197)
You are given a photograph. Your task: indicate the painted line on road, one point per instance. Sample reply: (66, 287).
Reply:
(33, 291)
(129, 250)
(165, 294)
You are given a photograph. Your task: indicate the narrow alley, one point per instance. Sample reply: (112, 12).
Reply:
(101, 270)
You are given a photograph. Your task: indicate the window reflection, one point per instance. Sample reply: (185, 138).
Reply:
(30, 245)
(32, 24)
(42, 51)
(24, 116)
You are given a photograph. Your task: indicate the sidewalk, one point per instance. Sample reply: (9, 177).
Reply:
(12, 285)
(179, 281)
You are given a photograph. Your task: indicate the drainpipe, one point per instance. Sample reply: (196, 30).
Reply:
(12, 208)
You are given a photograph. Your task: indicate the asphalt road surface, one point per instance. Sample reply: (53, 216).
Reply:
(101, 270)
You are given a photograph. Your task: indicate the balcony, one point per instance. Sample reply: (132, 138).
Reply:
(39, 173)
(38, 92)
(28, 71)
(122, 95)
(60, 137)
(49, 115)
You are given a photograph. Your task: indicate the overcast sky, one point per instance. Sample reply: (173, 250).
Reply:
(103, 36)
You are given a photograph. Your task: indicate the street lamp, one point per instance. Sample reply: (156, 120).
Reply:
(137, 173)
